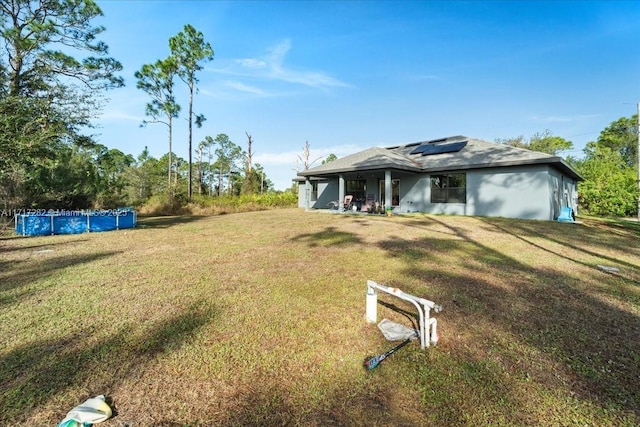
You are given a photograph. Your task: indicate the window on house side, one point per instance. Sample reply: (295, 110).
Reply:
(449, 188)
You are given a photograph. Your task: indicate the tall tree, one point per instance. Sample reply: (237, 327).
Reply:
(31, 30)
(112, 165)
(622, 136)
(610, 170)
(305, 158)
(210, 174)
(516, 141)
(250, 152)
(190, 50)
(69, 181)
(609, 187)
(544, 142)
(204, 146)
(265, 182)
(145, 178)
(228, 155)
(47, 96)
(330, 158)
(157, 81)
(30, 139)
(250, 183)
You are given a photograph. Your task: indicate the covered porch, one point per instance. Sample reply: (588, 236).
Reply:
(363, 191)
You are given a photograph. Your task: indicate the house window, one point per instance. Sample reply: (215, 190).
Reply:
(314, 190)
(449, 188)
(357, 188)
(395, 192)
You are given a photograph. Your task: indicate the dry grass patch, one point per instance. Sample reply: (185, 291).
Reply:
(258, 319)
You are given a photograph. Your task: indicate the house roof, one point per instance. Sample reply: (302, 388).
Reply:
(446, 154)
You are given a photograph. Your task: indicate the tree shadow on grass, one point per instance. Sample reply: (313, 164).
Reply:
(25, 273)
(30, 375)
(330, 236)
(589, 338)
(574, 237)
(576, 242)
(345, 403)
(624, 226)
(168, 221)
(36, 247)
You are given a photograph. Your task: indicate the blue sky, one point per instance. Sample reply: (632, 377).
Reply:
(349, 75)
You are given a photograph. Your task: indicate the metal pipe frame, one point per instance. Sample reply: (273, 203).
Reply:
(428, 332)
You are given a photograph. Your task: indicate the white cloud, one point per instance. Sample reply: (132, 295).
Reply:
(281, 168)
(271, 66)
(251, 63)
(277, 159)
(291, 158)
(278, 52)
(239, 86)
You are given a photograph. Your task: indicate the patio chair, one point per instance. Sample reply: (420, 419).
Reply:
(369, 203)
(348, 202)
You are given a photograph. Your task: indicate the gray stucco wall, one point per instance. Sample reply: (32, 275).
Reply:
(327, 191)
(527, 192)
(521, 192)
(301, 195)
(518, 192)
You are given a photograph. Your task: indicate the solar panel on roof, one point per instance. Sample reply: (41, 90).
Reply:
(418, 150)
(431, 149)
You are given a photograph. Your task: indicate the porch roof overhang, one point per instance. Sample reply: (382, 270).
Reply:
(373, 159)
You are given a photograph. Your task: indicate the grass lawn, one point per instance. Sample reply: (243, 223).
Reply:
(259, 319)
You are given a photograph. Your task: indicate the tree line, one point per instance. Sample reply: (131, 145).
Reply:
(49, 99)
(221, 170)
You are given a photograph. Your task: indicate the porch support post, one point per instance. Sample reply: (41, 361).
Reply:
(340, 193)
(387, 189)
(307, 194)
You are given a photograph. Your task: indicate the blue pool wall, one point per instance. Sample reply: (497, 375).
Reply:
(74, 222)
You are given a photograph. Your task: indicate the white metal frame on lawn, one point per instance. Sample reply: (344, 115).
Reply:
(428, 325)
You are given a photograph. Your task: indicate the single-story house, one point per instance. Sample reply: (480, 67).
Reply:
(455, 175)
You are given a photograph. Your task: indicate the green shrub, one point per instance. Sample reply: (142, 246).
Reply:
(212, 205)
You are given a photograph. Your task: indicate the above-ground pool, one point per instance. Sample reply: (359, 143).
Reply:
(47, 222)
